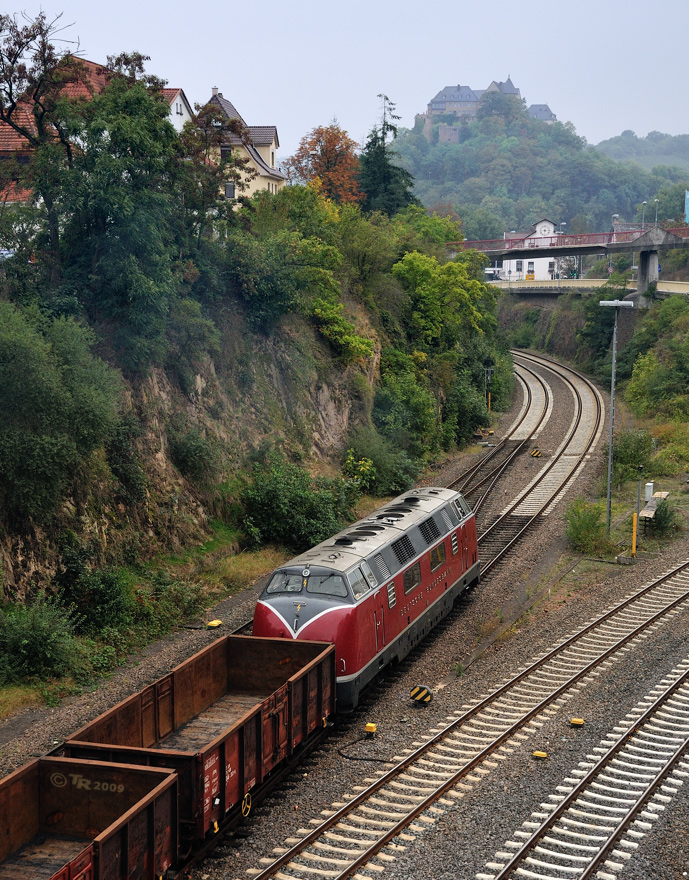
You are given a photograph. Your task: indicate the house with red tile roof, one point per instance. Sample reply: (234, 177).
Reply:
(180, 108)
(259, 147)
(92, 80)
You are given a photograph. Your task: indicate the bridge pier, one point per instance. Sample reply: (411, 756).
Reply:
(648, 271)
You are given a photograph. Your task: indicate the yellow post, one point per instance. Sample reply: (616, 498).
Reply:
(489, 401)
(635, 523)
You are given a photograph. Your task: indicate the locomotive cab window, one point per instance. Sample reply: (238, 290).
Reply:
(368, 574)
(358, 583)
(282, 582)
(437, 556)
(327, 585)
(412, 577)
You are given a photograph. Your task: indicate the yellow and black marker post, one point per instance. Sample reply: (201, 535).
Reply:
(421, 694)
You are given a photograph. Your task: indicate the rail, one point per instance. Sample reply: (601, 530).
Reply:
(667, 752)
(538, 497)
(436, 767)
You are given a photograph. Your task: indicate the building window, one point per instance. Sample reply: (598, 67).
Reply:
(229, 190)
(272, 158)
(520, 266)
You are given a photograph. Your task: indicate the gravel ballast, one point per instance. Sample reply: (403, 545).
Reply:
(467, 836)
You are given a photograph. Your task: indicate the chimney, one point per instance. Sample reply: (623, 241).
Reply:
(215, 91)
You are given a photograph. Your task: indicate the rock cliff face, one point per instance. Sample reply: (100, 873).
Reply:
(285, 391)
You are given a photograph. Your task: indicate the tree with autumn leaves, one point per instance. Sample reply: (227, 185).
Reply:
(327, 155)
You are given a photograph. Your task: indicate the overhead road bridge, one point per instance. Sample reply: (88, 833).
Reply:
(559, 286)
(647, 242)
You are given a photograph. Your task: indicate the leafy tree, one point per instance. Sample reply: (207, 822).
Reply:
(495, 104)
(444, 300)
(34, 76)
(57, 404)
(327, 157)
(386, 186)
(207, 164)
(118, 239)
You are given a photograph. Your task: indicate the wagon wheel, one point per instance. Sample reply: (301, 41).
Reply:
(246, 804)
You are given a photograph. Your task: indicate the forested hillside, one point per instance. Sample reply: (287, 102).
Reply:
(507, 171)
(163, 348)
(650, 151)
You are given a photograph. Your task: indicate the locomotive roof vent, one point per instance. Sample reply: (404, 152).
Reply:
(411, 500)
(391, 516)
(433, 492)
(398, 507)
(366, 532)
(344, 540)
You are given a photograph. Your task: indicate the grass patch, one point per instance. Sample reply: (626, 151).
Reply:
(15, 697)
(238, 571)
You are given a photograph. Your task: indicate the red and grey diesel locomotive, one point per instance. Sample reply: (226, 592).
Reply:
(376, 588)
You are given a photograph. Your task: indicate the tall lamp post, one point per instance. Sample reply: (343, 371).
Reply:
(643, 214)
(656, 201)
(616, 304)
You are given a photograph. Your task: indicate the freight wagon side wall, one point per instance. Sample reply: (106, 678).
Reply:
(258, 665)
(145, 718)
(19, 813)
(100, 801)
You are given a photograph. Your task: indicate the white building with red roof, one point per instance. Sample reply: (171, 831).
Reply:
(180, 108)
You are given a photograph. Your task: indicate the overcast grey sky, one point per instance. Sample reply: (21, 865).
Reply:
(605, 65)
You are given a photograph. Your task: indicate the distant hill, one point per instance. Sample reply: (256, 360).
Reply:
(505, 170)
(654, 149)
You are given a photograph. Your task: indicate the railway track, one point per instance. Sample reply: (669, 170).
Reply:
(369, 827)
(541, 496)
(478, 481)
(600, 814)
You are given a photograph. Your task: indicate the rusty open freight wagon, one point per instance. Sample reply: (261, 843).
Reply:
(224, 720)
(66, 819)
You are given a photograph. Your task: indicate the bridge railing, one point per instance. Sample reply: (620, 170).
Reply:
(600, 239)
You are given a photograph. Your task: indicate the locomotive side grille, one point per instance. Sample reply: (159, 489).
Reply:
(403, 550)
(392, 598)
(446, 519)
(455, 545)
(429, 530)
(382, 566)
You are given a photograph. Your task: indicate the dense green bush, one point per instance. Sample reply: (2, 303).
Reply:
(98, 599)
(57, 404)
(193, 454)
(36, 640)
(393, 470)
(166, 604)
(405, 413)
(284, 505)
(585, 528)
(666, 519)
(630, 449)
(125, 461)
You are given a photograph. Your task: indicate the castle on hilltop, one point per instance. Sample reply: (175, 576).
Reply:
(463, 103)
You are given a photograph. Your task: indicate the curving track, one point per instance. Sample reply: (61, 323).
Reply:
(557, 475)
